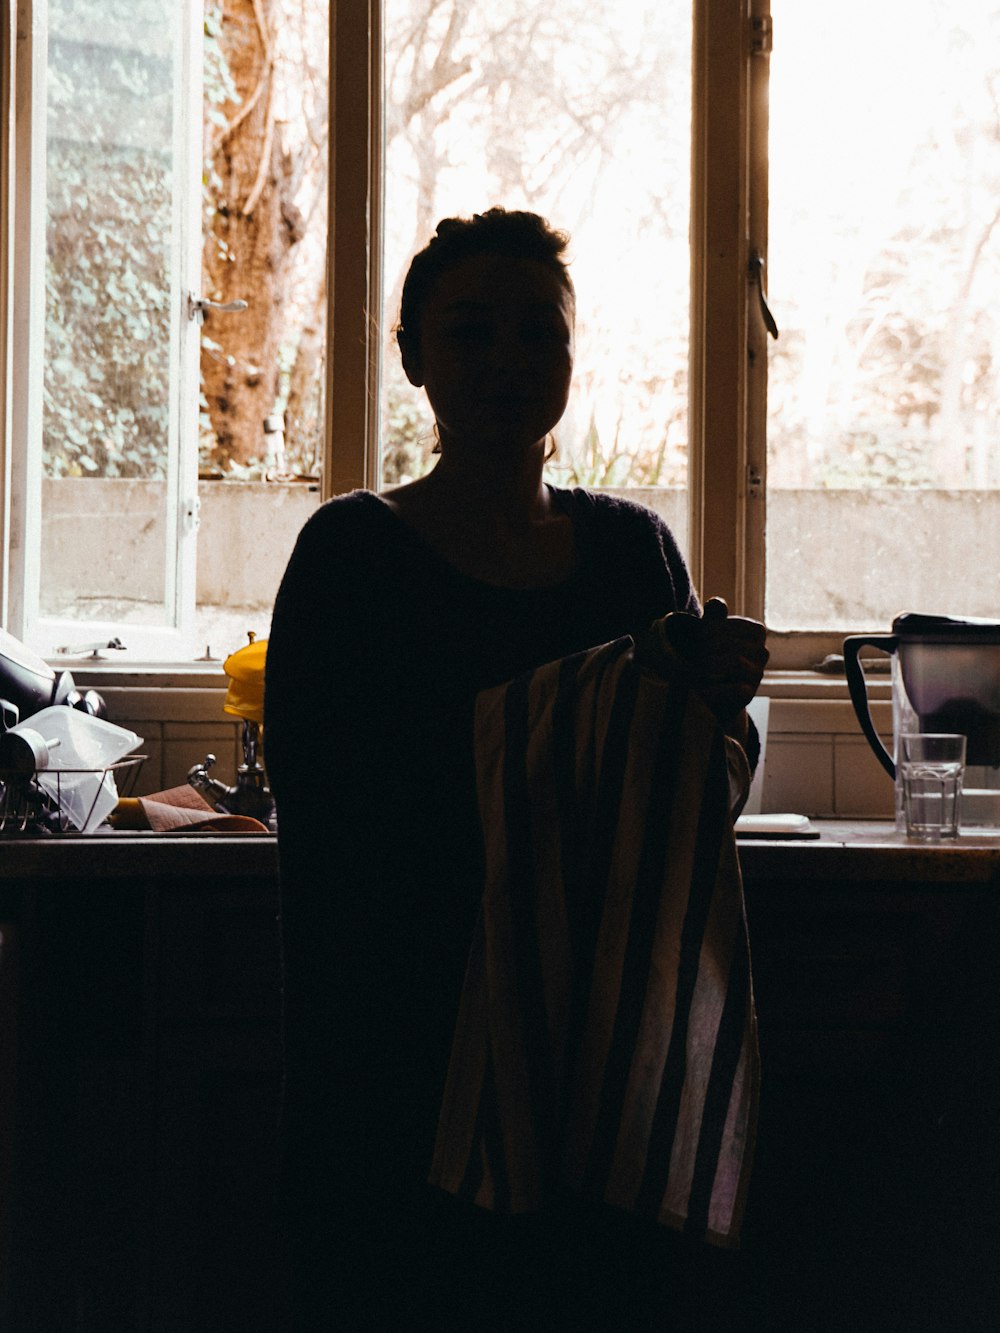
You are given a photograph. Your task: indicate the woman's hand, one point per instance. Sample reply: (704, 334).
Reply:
(726, 655)
(723, 657)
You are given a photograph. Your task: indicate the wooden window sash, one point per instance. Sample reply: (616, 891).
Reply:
(728, 223)
(354, 247)
(728, 220)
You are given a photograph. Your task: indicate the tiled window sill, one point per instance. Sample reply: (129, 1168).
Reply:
(818, 763)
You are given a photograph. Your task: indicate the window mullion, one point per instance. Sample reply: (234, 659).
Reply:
(355, 253)
(7, 40)
(719, 548)
(27, 241)
(758, 334)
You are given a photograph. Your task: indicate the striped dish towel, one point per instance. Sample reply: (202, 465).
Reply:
(606, 1036)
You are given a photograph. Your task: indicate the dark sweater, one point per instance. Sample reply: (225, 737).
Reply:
(377, 650)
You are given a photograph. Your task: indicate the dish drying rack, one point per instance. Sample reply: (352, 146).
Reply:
(28, 809)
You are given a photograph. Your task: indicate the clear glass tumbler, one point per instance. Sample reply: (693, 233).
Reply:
(932, 767)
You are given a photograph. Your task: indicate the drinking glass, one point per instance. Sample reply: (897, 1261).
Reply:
(932, 767)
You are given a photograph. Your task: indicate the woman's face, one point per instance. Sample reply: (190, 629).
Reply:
(496, 352)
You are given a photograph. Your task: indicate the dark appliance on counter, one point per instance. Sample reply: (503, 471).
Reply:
(27, 686)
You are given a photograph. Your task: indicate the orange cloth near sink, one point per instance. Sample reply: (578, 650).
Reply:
(180, 809)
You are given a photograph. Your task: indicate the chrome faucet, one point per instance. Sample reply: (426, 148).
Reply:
(211, 788)
(249, 796)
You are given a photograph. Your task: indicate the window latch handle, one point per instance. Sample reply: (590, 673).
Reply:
(755, 271)
(197, 305)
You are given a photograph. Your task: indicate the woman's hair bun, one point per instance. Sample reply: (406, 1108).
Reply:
(449, 226)
(498, 231)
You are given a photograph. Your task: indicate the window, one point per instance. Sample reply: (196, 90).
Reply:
(883, 472)
(701, 132)
(102, 383)
(600, 94)
(865, 431)
(121, 417)
(168, 300)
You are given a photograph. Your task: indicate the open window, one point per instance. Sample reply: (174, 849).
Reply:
(104, 372)
(166, 246)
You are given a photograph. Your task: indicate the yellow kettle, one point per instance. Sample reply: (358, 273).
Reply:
(245, 669)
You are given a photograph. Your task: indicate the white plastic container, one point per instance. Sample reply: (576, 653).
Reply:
(72, 740)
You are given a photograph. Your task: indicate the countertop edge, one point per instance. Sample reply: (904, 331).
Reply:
(846, 853)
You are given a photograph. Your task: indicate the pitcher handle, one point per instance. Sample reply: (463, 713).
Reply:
(859, 690)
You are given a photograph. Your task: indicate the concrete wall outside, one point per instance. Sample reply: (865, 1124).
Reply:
(104, 537)
(834, 557)
(246, 535)
(856, 557)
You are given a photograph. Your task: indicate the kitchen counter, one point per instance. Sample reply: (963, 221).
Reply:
(115, 856)
(854, 851)
(140, 1070)
(871, 851)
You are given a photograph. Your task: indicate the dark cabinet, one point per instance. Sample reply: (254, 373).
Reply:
(874, 1203)
(217, 1082)
(140, 1081)
(141, 1184)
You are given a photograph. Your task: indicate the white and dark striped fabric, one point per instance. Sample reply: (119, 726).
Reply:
(606, 1037)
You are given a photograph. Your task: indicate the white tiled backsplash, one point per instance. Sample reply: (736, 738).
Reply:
(179, 726)
(818, 763)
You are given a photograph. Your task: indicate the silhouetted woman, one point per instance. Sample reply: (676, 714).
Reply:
(396, 610)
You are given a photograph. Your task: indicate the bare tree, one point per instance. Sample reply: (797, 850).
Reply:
(496, 68)
(252, 223)
(547, 126)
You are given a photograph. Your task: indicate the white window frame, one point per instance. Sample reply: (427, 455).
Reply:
(24, 263)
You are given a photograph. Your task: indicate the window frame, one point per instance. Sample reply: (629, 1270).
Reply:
(355, 247)
(726, 550)
(728, 388)
(7, 43)
(25, 129)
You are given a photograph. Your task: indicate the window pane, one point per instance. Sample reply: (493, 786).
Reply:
(110, 245)
(883, 466)
(134, 219)
(580, 112)
(263, 369)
